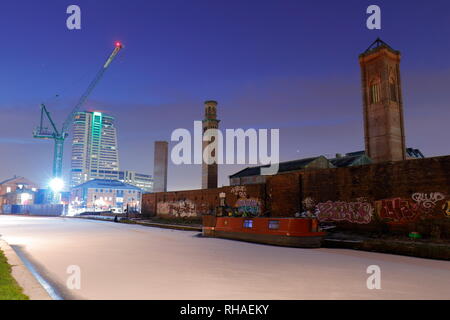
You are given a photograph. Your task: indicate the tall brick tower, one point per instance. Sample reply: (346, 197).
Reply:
(209, 171)
(383, 104)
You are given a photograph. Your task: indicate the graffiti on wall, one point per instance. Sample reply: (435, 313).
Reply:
(248, 207)
(446, 208)
(309, 204)
(400, 210)
(395, 210)
(354, 212)
(239, 191)
(181, 208)
(428, 201)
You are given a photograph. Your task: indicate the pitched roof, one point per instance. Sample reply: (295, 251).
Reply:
(17, 178)
(104, 183)
(286, 166)
(8, 180)
(349, 160)
(414, 153)
(378, 44)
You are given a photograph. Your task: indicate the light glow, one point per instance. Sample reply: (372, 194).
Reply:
(56, 184)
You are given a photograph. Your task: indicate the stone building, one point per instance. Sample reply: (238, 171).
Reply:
(382, 103)
(17, 190)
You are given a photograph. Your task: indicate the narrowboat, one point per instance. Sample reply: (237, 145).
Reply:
(291, 232)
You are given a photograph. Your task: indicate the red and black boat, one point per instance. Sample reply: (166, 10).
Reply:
(292, 232)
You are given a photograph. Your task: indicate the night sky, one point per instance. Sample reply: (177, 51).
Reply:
(291, 65)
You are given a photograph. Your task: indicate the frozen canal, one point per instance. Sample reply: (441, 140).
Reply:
(120, 261)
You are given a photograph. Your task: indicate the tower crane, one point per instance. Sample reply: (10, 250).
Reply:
(59, 136)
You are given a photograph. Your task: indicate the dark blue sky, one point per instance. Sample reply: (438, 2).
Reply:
(291, 65)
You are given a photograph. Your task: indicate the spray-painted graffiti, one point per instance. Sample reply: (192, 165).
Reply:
(182, 208)
(400, 210)
(428, 201)
(354, 212)
(248, 207)
(446, 208)
(239, 191)
(309, 203)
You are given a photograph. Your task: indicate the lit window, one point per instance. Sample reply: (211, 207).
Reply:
(274, 224)
(248, 224)
(8, 189)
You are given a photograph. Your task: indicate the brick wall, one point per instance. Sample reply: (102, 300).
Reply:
(195, 203)
(412, 195)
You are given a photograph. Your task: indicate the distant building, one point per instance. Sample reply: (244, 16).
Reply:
(19, 197)
(14, 183)
(414, 154)
(17, 190)
(105, 195)
(95, 153)
(411, 153)
(252, 175)
(140, 180)
(350, 159)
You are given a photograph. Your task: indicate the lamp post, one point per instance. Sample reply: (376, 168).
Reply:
(222, 197)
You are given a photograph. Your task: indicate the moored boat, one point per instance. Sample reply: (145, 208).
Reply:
(292, 232)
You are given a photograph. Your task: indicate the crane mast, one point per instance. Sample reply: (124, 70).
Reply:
(59, 137)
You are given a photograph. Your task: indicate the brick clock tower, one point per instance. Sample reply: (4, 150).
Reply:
(383, 104)
(209, 171)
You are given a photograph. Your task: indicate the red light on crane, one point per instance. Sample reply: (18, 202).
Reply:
(118, 44)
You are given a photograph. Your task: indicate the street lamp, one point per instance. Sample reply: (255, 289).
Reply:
(56, 185)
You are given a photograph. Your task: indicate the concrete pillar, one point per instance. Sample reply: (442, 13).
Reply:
(160, 166)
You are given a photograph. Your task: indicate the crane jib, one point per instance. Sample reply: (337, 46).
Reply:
(111, 58)
(59, 137)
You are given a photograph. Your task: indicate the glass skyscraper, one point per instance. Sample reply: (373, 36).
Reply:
(95, 154)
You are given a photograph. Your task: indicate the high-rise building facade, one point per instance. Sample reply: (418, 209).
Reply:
(95, 154)
(383, 103)
(140, 180)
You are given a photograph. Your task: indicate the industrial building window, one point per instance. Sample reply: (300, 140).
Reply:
(248, 224)
(274, 224)
(375, 91)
